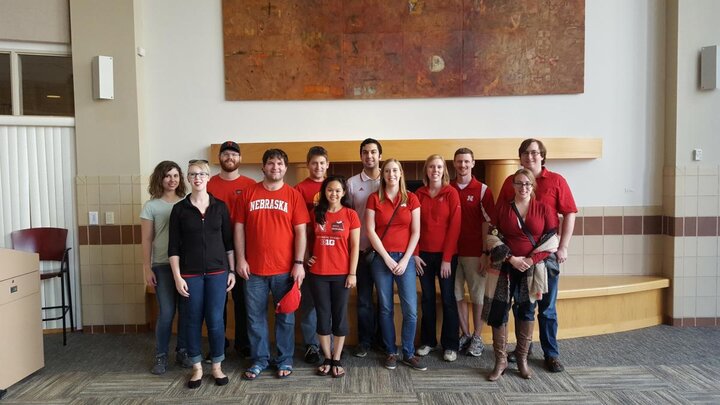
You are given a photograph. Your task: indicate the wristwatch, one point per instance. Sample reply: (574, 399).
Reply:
(298, 261)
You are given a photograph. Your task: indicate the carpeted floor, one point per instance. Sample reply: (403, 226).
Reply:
(658, 365)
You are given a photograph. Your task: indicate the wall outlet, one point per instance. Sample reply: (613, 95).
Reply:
(697, 155)
(93, 218)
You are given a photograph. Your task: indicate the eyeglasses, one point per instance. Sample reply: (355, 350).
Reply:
(521, 185)
(193, 161)
(201, 175)
(532, 153)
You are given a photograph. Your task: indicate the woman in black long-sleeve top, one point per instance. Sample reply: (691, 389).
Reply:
(200, 250)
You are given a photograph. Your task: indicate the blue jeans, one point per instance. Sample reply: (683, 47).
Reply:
(408, 304)
(428, 322)
(167, 299)
(522, 311)
(257, 289)
(547, 318)
(308, 316)
(238, 296)
(366, 309)
(206, 300)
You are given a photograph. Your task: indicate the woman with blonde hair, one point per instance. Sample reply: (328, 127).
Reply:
(203, 264)
(392, 220)
(439, 232)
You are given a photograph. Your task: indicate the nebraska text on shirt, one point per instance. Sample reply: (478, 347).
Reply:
(269, 204)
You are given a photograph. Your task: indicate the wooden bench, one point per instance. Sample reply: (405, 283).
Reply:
(587, 306)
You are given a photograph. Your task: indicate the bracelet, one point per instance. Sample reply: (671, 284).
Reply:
(352, 275)
(298, 261)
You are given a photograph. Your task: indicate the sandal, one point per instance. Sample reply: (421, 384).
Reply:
(327, 363)
(338, 371)
(252, 373)
(286, 368)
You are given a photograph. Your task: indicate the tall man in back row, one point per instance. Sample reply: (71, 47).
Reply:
(360, 187)
(552, 190)
(227, 186)
(270, 240)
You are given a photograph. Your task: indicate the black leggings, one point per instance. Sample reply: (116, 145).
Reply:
(331, 299)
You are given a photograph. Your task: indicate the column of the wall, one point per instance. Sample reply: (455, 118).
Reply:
(108, 166)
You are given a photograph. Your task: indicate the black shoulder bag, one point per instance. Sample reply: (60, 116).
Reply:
(370, 253)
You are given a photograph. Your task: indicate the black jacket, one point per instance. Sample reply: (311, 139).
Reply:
(201, 243)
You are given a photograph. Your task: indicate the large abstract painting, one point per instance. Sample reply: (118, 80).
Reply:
(372, 49)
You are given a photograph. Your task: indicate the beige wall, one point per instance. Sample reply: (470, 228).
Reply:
(35, 20)
(107, 131)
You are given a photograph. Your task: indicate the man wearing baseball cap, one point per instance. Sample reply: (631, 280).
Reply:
(227, 186)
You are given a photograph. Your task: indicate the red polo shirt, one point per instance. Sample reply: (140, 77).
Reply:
(552, 190)
(539, 220)
(398, 235)
(439, 221)
(476, 209)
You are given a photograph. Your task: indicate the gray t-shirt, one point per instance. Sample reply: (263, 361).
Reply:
(158, 211)
(360, 187)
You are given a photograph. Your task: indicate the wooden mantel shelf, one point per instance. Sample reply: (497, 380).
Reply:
(419, 149)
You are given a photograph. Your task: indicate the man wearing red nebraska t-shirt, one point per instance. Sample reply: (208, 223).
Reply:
(553, 191)
(227, 186)
(317, 164)
(270, 239)
(477, 206)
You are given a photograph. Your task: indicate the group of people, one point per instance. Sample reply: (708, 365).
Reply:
(329, 235)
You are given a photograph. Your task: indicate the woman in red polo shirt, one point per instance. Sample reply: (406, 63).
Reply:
(439, 231)
(392, 219)
(334, 247)
(524, 249)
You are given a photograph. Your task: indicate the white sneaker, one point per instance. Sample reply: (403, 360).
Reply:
(464, 342)
(424, 350)
(450, 355)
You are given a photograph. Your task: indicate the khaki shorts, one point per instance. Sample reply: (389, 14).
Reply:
(467, 271)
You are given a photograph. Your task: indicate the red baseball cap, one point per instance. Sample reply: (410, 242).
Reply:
(290, 302)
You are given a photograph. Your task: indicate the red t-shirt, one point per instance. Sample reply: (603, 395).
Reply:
(539, 220)
(439, 221)
(228, 191)
(331, 242)
(270, 218)
(552, 190)
(310, 191)
(398, 235)
(476, 209)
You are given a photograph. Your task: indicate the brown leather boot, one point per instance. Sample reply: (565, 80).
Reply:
(524, 334)
(499, 342)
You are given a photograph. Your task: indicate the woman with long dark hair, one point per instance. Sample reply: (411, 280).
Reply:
(166, 187)
(334, 240)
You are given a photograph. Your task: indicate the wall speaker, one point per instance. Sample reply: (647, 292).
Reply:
(102, 75)
(708, 67)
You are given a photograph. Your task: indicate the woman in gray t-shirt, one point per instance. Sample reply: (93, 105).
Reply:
(166, 187)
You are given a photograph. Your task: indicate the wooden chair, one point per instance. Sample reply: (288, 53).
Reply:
(50, 244)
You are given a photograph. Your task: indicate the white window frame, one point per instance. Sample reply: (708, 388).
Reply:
(16, 49)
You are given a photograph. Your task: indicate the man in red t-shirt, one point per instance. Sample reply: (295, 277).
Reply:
(477, 206)
(227, 186)
(553, 191)
(317, 164)
(270, 240)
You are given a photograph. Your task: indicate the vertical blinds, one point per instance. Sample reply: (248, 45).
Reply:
(37, 171)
